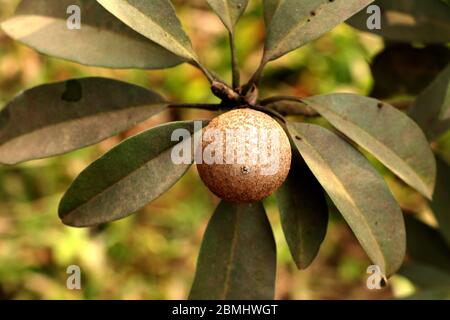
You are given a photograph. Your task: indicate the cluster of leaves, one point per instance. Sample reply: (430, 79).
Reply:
(423, 72)
(238, 254)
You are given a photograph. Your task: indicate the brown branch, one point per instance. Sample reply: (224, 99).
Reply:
(234, 62)
(202, 106)
(217, 107)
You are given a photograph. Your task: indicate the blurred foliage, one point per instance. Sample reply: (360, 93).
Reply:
(407, 70)
(152, 254)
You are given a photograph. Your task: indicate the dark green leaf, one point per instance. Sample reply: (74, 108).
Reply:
(56, 118)
(102, 40)
(357, 190)
(296, 22)
(126, 178)
(431, 110)
(237, 259)
(386, 132)
(441, 199)
(156, 20)
(404, 69)
(426, 245)
(426, 21)
(229, 11)
(304, 212)
(425, 276)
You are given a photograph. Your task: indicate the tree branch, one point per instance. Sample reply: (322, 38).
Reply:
(202, 106)
(234, 62)
(217, 107)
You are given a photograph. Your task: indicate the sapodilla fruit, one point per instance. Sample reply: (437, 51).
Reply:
(246, 156)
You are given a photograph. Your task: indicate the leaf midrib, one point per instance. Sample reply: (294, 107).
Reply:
(56, 124)
(115, 183)
(230, 264)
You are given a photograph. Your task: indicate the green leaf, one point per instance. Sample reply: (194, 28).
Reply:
(304, 212)
(426, 21)
(237, 259)
(126, 178)
(229, 11)
(102, 40)
(357, 190)
(441, 199)
(156, 20)
(296, 22)
(431, 109)
(386, 132)
(426, 245)
(424, 275)
(53, 119)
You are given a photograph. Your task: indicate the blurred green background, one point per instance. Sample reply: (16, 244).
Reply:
(152, 254)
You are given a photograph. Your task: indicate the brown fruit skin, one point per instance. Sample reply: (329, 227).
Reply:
(244, 183)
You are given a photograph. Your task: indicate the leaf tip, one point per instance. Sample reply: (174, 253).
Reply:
(63, 215)
(428, 190)
(68, 220)
(302, 264)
